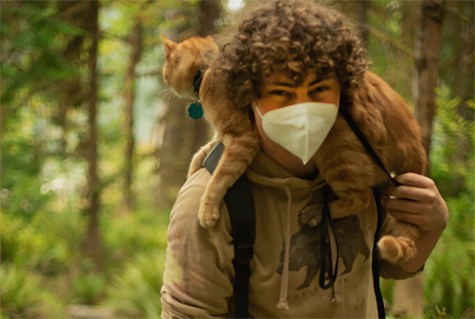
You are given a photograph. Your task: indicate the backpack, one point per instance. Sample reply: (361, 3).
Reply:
(240, 204)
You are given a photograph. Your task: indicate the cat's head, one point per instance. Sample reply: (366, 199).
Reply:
(184, 60)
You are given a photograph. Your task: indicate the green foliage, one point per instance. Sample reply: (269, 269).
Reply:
(47, 250)
(33, 68)
(135, 293)
(20, 292)
(384, 54)
(20, 184)
(88, 288)
(23, 296)
(449, 281)
(140, 232)
(452, 151)
(30, 35)
(49, 243)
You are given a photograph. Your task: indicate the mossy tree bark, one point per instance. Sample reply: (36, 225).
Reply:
(408, 297)
(135, 40)
(93, 244)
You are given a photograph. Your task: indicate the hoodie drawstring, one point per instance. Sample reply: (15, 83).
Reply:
(284, 285)
(326, 233)
(335, 256)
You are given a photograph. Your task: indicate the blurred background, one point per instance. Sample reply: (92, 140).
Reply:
(94, 147)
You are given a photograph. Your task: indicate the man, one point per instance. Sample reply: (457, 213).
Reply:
(283, 59)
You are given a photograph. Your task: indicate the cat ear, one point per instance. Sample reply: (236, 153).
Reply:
(209, 39)
(169, 45)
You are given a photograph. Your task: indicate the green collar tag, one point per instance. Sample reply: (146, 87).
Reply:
(195, 111)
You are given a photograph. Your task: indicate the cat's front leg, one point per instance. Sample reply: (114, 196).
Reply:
(237, 155)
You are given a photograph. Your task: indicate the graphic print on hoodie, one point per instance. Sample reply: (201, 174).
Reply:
(305, 248)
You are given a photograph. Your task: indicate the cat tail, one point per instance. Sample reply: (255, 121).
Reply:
(237, 155)
(399, 245)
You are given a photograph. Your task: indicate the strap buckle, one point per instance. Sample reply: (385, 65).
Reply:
(244, 253)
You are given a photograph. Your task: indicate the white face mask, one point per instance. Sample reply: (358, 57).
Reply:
(300, 128)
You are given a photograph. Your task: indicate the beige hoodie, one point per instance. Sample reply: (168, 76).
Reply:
(199, 274)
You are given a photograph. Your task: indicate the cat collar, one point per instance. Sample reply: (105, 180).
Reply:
(197, 82)
(195, 111)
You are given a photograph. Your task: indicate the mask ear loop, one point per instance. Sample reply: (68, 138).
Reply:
(254, 105)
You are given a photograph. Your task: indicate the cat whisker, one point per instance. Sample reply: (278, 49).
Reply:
(167, 93)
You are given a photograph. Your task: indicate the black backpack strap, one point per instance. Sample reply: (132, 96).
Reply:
(359, 134)
(240, 204)
(378, 193)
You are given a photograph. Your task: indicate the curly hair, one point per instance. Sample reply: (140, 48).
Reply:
(291, 37)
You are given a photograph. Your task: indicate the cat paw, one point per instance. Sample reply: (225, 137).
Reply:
(311, 215)
(208, 215)
(396, 250)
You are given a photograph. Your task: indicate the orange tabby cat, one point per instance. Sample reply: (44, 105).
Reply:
(386, 121)
(233, 127)
(379, 111)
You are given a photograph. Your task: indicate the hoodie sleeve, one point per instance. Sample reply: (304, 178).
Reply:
(198, 271)
(390, 271)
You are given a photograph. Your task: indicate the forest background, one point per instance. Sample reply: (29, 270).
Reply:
(94, 147)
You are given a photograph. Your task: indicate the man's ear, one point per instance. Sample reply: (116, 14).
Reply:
(169, 45)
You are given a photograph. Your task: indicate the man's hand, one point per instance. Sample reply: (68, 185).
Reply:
(417, 201)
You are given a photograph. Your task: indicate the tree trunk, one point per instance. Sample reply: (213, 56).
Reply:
(135, 40)
(209, 12)
(71, 91)
(409, 293)
(409, 297)
(426, 59)
(174, 153)
(408, 24)
(363, 20)
(93, 245)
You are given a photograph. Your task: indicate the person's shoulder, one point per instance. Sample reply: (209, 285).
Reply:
(186, 207)
(189, 196)
(188, 200)
(196, 182)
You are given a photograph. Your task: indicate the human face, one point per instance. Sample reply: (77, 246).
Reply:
(278, 91)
